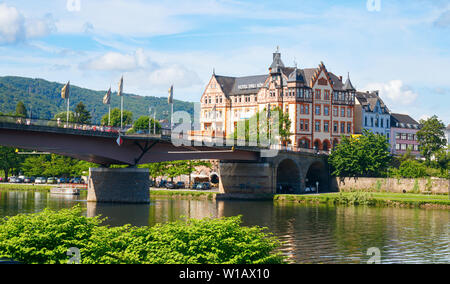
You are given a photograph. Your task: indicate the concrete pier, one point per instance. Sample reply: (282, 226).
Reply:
(128, 185)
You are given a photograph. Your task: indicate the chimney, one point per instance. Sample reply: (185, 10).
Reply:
(340, 78)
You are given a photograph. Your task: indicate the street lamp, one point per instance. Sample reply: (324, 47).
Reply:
(317, 187)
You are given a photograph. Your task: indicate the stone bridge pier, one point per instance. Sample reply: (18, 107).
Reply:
(286, 173)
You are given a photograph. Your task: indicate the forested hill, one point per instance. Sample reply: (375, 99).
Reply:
(44, 98)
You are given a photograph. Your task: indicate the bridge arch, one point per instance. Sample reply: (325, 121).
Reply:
(317, 172)
(288, 177)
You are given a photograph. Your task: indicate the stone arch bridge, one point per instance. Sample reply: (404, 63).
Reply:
(243, 170)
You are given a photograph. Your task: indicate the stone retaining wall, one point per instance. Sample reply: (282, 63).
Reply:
(422, 185)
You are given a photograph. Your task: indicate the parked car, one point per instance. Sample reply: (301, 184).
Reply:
(62, 180)
(51, 180)
(204, 186)
(162, 183)
(16, 180)
(40, 180)
(194, 185)
(180, 184)
(28, 180)
(77, 180)
(170, 185)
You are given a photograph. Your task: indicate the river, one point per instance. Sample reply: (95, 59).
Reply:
(310, 234)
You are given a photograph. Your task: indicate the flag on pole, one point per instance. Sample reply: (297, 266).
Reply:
(119, 141)
(170, 98)
(107, 98)
(65, 91)
(120, 92)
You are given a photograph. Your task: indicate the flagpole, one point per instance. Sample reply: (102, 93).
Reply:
(154, 123)
(121, 112)
(171, 116)
(68, 102)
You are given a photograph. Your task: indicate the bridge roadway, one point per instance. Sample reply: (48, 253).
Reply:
(101, 147)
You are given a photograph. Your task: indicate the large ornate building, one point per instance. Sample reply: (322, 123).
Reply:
(319, 104)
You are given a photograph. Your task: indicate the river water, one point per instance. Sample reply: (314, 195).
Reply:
(310, 234)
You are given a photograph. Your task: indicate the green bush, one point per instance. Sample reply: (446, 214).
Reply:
(46, 236)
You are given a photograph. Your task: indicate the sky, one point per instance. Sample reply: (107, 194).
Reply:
(401, 48)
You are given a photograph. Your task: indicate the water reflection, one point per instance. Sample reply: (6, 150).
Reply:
(311, 234)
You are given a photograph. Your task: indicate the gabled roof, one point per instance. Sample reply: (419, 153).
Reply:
(241, 85)
(370, 100)
(403, 121)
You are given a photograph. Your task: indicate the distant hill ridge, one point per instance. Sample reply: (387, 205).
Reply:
(44, 99)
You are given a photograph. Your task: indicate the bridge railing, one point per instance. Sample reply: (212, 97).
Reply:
(24, 121)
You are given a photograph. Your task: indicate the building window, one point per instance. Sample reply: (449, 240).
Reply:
(410, 136)
(342, 127)
(397, 146)
(327, 94)
(349, 127)
(326, 110)
(326, 126)
(416, 147)
(301, 124)
(365, 121)
(306, 125)
(335, 111)
(306, 109)
(335, 127)
(397, 136)
(318, 109)
(349, 112)
(317, 94)
(403, 147)
(404, 136)
(317, 126)
(342, 112)
(302, 109)
(371, 121)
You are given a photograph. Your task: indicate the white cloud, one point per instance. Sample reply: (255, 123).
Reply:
(114, 61)
(395, 91)
(12, 25)
(15, 28)
(174, 74)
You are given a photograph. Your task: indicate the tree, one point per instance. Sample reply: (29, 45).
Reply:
(21, 110)
(264, 129)
(142, 124)
(115, 118)
(9, 160)
(431, 137)
(365, 155)
(82, 115)
(34, 165)
(62, 116)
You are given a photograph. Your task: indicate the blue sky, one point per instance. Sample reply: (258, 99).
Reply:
(401, 48)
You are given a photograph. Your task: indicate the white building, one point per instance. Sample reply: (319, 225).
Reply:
(372, 114)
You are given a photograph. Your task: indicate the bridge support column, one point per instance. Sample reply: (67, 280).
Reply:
(129, 185)
(246, 180)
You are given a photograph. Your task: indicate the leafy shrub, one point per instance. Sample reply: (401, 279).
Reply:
(354, 198)
(45, 237)
(412, 169)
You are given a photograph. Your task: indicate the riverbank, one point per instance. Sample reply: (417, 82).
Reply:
(371, 199)
(21, 186)
(195, 194)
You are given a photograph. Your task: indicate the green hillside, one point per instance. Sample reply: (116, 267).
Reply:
(44, 98)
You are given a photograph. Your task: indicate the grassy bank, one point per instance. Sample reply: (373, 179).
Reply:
(183, 193)
(5, 186)
(371, 199)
